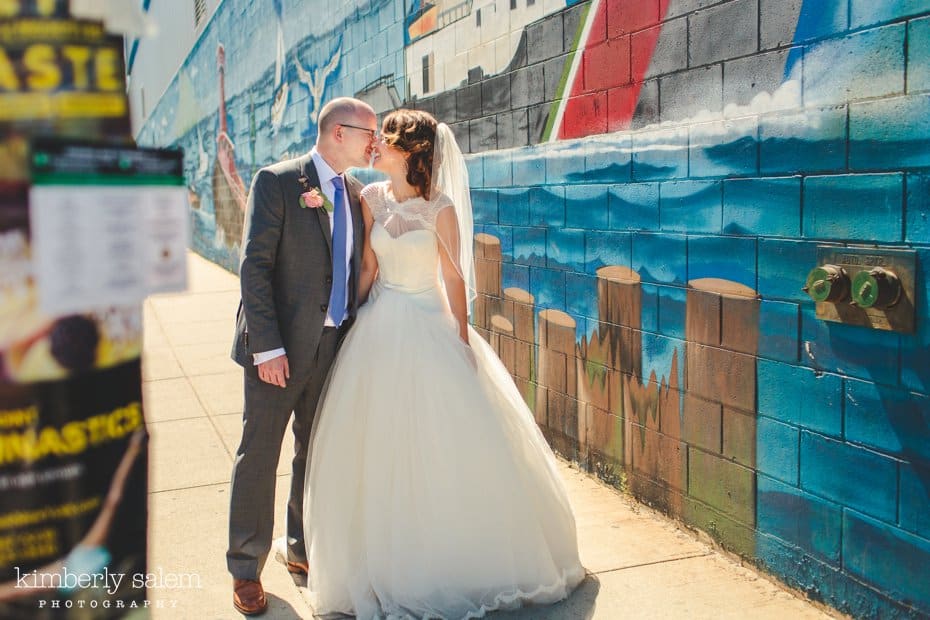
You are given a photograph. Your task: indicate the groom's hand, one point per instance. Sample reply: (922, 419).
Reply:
(275, 371)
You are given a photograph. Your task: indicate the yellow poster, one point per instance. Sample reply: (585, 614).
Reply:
(58, 77)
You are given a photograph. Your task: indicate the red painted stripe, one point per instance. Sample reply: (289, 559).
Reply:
(615, 58)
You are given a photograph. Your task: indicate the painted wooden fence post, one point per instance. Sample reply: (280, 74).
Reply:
(502, 341)
(719, 413)
(519, 309)
(487, 281)
(556, 394)
(613, 351)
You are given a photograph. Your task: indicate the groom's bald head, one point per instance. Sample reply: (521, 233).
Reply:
(343, 110)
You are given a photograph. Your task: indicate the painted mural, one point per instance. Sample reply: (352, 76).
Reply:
(651, 180)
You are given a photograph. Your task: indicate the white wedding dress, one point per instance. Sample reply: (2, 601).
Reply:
(431, 492)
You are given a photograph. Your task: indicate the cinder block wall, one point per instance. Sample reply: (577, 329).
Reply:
(651, 180)
(802, 444)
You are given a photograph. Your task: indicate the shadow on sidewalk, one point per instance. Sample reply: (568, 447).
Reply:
(278, 609)
(579, 606)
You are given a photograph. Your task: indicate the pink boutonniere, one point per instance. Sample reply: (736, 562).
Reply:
(312, 197)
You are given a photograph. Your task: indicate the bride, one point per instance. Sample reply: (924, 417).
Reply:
(431, 492)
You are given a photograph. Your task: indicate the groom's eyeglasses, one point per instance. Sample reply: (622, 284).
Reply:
(371, 132)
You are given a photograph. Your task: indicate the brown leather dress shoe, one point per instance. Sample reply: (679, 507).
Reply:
(298, 568)
(249, 597)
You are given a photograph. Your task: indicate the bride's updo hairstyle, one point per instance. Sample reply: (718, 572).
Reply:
(414, 132)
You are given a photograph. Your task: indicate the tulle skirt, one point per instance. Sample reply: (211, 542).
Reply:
(431, 491)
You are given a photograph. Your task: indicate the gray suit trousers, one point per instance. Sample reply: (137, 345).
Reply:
(264, 422)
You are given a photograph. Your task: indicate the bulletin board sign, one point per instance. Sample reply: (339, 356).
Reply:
(89, 225)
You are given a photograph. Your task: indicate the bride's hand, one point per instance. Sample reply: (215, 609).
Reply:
(470, 356)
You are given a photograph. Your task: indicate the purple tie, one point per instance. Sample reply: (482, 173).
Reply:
(337, 298)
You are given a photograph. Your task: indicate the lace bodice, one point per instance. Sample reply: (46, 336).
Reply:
(404, 237)
(399, 217)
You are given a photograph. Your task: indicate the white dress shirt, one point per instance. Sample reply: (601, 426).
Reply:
(326, 174)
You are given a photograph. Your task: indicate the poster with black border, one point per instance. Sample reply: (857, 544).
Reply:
(73, 492)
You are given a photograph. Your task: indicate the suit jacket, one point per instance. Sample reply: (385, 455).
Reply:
(286, 268)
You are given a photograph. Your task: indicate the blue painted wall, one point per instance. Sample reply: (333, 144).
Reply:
(802, 444)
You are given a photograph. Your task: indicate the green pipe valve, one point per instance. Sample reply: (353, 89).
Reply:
(827, 283)
(876, 288)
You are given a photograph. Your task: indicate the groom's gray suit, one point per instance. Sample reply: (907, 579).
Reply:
(286, 274)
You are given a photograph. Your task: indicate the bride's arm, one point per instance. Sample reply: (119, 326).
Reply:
(447, 229)
(369, 270)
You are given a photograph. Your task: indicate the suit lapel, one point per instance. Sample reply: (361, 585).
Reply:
(358, 222)
(309, 170)
(358, 237)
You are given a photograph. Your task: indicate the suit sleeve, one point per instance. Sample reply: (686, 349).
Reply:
(264, 220)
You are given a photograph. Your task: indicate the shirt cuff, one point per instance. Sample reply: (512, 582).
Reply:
(264, 356)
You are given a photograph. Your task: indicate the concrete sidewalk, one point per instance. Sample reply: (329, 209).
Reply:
(641, 565)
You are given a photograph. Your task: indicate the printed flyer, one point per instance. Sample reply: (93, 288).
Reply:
(100, 228)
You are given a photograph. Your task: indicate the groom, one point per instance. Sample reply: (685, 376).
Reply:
(299, 274)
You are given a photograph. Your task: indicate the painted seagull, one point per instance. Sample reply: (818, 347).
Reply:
(316, 81)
